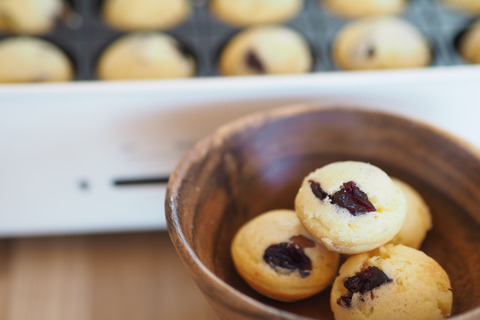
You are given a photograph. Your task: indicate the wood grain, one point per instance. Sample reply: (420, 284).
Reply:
(116, 276)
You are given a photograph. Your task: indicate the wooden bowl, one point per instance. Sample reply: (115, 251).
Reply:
(257, 163)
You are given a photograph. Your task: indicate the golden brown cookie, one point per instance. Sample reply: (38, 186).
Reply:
(391, 282)
(137, 15)
(380, 43)
(276, 256)
(470, 44)
(32, 17)
(418, 220)
(27, 59)
(470, 6)
(266, 50)
(363, 8)
(350, 206)
(243, 13)
(149, 55)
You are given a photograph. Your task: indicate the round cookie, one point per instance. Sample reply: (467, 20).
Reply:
(381, 43)
(362, 8)
(470, 44)
(26, 59)
(418, 220)
(470, 6)
(266, 50)
(350, 206)
(276, 256)
(145, 14)
(391, 282)
(149, 55)
(241, 13)
(33, 17)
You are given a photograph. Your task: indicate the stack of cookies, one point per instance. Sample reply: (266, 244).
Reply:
(355, 215)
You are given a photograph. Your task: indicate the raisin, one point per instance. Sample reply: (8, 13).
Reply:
(288, 256)
(254, 62)
(345, 300)
(317, 190)
(302, 241)
(363, 281)
(353, 199)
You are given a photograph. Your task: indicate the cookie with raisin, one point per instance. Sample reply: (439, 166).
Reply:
(381, 43)
(277, 257)
(350, 206)
(391, 282)
(266, 50)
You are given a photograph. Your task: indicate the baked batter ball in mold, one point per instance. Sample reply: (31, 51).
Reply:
(137, 15)
(145, 55)
(363, 8)
(469, 6)
(28, 59)
(243, 13)
(266, 50)
(470, 44)
(381, 43)
(29, 17)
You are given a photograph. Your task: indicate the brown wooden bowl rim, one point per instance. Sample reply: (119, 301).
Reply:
(253, 120)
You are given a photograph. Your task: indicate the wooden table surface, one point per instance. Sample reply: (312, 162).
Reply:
(115, 276)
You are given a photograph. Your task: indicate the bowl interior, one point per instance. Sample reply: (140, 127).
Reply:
(258, 163)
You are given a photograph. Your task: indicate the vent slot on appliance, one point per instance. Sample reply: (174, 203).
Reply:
(139, 181)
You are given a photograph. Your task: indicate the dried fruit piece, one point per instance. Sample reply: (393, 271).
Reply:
(345, 300)
(254, 62)
(363, 281)
(288, 256)
(353, 199)
(317, 190)
(366, 280)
